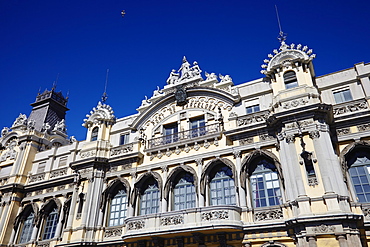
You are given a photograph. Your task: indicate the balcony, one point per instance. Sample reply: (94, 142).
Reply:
(195, 135)
(195, 219)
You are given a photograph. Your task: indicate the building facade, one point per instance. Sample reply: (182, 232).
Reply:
(279, 161)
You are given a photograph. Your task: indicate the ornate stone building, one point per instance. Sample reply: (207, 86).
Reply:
(279, 161)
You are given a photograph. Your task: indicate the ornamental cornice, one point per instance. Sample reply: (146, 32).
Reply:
(100, 114)
(286, 56)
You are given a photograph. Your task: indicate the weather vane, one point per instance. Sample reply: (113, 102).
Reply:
(282, 36)
(104, 97)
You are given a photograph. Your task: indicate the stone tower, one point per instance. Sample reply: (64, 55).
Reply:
(50, 107)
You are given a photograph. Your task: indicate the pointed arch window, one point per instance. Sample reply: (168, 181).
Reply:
(222, 187)
(184, 193)
(94, 134)
(118, 208)
(50, 225)
(27, 228)
(149, 201)
(290, 79)
(359, 172)
(265, 185)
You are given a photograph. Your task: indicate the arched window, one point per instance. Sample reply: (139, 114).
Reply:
(265, 185)
(94, 134)
(118, 208)
(222, 187)
(290, 79)
(184, 193)
(149, 200)
(27, 227)
(50, 224)
(359, 172)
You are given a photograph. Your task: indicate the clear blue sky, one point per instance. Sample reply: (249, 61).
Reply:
(80, 39)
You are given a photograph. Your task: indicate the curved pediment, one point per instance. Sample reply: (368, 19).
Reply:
(209, 99)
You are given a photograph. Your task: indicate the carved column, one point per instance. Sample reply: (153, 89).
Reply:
(342, 240)
(330, 169)
(248, 244)
(86, 209)
(241, 196)
(5, 213)
(73, 207)
(58, 231)
(130, 207)
(93, 203)
(311, 241)
(291, 170)
(164, 178)
(102, 214)
(200, 169)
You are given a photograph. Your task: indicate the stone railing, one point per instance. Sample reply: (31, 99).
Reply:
(350, 107)
(192, 134)
(123, 149)
(214, 216)
(253, 118)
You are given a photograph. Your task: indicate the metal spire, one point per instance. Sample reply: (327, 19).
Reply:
(282, 36)
(104, 97)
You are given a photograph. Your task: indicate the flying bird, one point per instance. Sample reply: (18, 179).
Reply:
(123, 13)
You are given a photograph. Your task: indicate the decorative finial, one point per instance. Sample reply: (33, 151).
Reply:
(282, 36)
(104, 97)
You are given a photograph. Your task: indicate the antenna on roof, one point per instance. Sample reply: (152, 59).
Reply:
(55, 83)
(104, 97)
(282, 35)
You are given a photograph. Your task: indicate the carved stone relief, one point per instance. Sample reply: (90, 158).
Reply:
(135, 225)
(363, 127)
(58, 173)
(122, 150)
(172, 220)
(324, 228)
(350, 107)
(87, 154)
(215, 215)
(268, 215)
(112, 232)
(294, 103)
(344, 131)
(37, 178)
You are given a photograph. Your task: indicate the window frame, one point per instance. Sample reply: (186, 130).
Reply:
(94, 134)
(121, 206)
(186, 198)
(153, 192)
(290, 79)
(50, 224)
(29, 220)
(340, 95)
(366, 167)
(265, 170)
(223, 177)
(124, 139)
